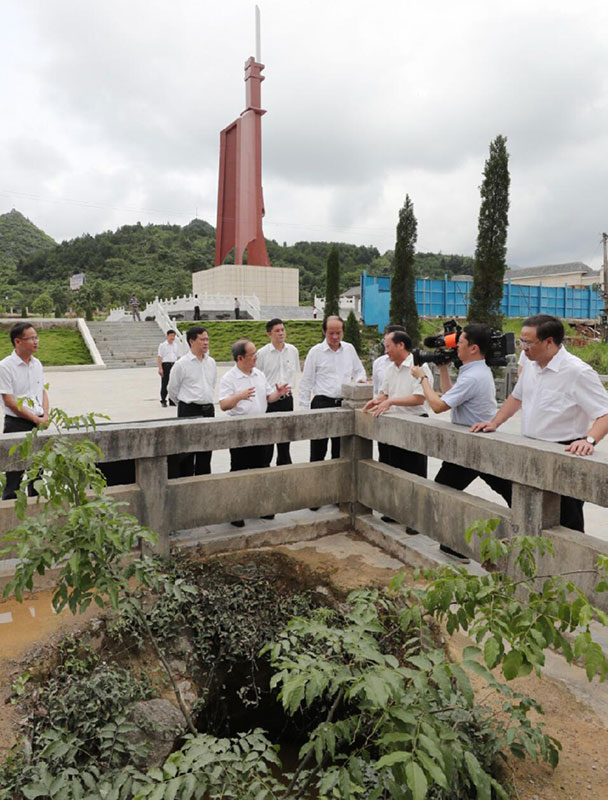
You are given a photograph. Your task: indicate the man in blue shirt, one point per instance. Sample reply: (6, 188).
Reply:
(469, 399)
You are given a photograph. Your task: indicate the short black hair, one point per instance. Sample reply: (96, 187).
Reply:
(192, 333)
(331, 316)
(480, 334)
(240, 348)
(171, 331)
(393, 328)
(272, 322)
(401, 336)
(18, 329)
(547, 327)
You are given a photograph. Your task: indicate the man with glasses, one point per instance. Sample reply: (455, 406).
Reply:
(245, 390)
(561, 399)
(22, 378)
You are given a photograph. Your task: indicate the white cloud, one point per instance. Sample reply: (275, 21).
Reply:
(116, 107)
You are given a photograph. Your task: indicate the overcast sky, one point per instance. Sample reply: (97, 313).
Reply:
(111, 113)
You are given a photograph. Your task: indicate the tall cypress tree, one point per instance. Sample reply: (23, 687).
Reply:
(403, 310)
(332, 283)
(491, 250)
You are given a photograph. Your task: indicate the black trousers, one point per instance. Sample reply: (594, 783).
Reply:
(283, 455)
(198, 463)
(571, 509)
(13, 478)
(318, 447)
(460, 477)
(164, 381)
(399, 457)
(251, 457)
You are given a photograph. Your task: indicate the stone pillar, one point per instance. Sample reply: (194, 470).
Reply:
(533, 510)
(151, 477)
(355, 448)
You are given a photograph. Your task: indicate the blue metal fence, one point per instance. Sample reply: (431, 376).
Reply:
(444, 298)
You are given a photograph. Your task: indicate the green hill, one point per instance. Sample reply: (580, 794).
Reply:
(19, 238)
(160, 259)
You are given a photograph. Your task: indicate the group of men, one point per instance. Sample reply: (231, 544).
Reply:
(561, 397)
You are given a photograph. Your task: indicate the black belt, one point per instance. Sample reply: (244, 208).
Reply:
(196, 405)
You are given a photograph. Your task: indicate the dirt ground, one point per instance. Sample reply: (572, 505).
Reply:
(349, 562)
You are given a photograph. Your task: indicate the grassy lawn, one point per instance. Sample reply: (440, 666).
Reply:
(303, 334)
(59, 347)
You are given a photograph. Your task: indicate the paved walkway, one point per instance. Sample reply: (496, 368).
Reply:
(129, 395)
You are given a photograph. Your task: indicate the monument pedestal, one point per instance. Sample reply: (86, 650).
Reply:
(274, 286)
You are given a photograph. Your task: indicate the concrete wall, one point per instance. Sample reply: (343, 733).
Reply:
(273, 286)
(539, 471)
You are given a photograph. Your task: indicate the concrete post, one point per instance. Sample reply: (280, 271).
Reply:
(151, 477)
(533, 510)
(355, 448)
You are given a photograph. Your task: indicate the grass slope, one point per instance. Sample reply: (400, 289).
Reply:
(59, 347)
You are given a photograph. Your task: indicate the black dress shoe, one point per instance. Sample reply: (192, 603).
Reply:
(163, 403)
(171, 403)
(238, 523)
(316, 508)
(267, 516)
(454, 554)
(387, 519)
(411, 531)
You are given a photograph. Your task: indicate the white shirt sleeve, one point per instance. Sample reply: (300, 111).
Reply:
(175, 379)
(307, 380)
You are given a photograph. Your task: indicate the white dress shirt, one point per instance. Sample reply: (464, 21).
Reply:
(279, 366)
(399, 382)
(193, 381)
(561, 400)
(325, 370)
(22, 380)
(235, 380)
(169, 353)
(378, 369)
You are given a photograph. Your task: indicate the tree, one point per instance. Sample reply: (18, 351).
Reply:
(352, 333)
(403, 310)
(332, 284)
(43, 305)
(491, 250)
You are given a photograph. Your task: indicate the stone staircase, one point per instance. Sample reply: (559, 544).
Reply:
(127, 344)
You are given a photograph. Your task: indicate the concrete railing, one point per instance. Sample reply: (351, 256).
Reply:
(540, 472)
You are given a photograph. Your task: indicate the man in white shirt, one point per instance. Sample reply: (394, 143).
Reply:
(21, 376)
(328, 365)
(280, 363)
(191, 387)
(245, 390)
(378, 369)
(168, 353)
(401, 395)
(561, 400)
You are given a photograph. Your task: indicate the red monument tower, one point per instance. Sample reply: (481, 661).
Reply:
(240, 203)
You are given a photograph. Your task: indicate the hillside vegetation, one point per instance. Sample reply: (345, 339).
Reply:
(160, 259)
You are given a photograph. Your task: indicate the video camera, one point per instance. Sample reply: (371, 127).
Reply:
(501, 346)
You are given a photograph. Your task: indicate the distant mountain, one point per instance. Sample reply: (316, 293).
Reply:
(160, 259)
(19, 238)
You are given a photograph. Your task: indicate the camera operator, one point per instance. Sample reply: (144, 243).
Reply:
(561, 399)
(469, 399)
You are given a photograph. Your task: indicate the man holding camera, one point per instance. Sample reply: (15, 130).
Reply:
(469, 400)
(561, 399)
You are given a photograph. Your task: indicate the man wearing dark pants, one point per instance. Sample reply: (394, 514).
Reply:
(469, 399)
(328, 365)
(561, 400)
(21, 376)
(191, 387)
(245, 390)
(280, 363)
(168, 353)
(400, 395)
